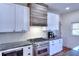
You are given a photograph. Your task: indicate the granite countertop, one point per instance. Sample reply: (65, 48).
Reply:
(71, 53)
(37, 40)
(7, 46)
(42, 39)
(55, 38)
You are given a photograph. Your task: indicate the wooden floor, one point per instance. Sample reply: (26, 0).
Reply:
(65, 49)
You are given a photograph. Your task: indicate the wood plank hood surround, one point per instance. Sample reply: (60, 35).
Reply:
(38, 14)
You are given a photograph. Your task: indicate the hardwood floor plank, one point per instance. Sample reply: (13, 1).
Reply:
(65, 49)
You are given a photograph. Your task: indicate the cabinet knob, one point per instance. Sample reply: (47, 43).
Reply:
(28, 53)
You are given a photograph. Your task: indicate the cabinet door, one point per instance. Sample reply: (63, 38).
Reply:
(53, 21)
(28, 50)
(7, 17)
(60, 45)
(55, 46)
(22, 18)
(26, 20)
(52, 48)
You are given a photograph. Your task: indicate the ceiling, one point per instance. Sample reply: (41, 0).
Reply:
(60, 7)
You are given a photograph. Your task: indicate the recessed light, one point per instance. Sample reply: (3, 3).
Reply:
(67, 8)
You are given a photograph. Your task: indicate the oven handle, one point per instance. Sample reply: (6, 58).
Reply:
(12, 50)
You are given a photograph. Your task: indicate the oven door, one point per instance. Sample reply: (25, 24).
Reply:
(42, 51)
(13, 53)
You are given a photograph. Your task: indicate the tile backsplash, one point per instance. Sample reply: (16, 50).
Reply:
(34, 32)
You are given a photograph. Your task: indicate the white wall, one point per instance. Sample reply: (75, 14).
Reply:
(34, 32)
(66, 29)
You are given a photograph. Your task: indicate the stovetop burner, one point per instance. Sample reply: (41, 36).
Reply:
(37, 40)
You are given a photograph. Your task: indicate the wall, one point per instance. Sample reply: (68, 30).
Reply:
(66, 29)
(34, 32)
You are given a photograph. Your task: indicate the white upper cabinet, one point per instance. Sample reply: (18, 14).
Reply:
(7, 17)
(13, 18)
(22, 18)
(53, 21)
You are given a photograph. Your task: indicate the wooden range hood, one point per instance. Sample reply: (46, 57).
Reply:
(38, 14)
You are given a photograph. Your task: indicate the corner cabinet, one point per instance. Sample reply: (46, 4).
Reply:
(53, 21)
(38, 14)
(13, 18)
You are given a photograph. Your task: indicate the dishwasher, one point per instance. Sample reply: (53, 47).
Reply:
(15, 52)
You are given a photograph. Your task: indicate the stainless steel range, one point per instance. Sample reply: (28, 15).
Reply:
(41, 46)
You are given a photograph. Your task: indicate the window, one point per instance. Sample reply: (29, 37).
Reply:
(75, 29)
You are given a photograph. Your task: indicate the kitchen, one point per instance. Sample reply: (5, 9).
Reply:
(32, 29)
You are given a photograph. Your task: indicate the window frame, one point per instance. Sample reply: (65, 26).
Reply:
(74, 29)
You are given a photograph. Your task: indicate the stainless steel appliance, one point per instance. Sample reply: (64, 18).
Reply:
(13, 53)
(40, 46)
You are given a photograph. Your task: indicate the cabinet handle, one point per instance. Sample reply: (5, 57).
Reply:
(52, 44)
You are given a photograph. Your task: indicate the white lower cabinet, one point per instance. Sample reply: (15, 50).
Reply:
(28, 50)
(55, 46)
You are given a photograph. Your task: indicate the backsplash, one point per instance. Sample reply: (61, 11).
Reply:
(34, 32)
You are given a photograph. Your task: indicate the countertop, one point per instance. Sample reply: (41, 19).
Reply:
(37, 40)
(42, 39)
(7, 46)
(55, 38)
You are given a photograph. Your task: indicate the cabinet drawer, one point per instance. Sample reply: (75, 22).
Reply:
(28, 50)
(51, 42)
(28, 54)
(60, 40)
(54, 41)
